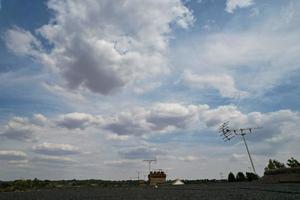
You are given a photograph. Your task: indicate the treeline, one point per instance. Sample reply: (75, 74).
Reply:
(276, 167)
(36, 184)
(241, 177)
(273, 167)
(275, 164)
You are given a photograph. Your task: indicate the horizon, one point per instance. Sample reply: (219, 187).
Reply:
(90, 89)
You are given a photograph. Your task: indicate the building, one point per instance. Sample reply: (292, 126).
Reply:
(156, 177)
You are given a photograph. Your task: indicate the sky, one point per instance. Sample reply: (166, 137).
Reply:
(89, 89)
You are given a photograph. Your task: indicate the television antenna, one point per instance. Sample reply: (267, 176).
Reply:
(149, 161)
(221, 175)
(227, 133)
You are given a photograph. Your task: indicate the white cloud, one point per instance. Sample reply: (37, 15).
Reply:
(19, 128)
(277, 127)
(188, 158)
(77, 120)
(19, 163)
(55, 149)
(223, 83)
(102, 46)
(238, 157)
(128, 123)
(22, 42)
(70, 96)
(171, 115)
(40, 119)
(146, 87)
(122, 163)
(256, 57)
(213, 117)
(11, 155)
(46, 159)
(186, 119)
(112, 136)
(231, 5)
(159, 118)
(140, 153)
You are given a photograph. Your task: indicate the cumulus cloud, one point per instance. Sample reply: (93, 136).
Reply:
(277, 127)
(77, 120)
(113, 136)
(188, 158)
(224, 83)
(40, 119)
(231, 5)
(237, 157)
(19, 128)
(11, 155)
(161, 117)
(256, 57)
(128, 123)
(171, 115)
(122, 163)
(55, 149)
(19, 163)
(22, 42)
(107, 45)
(142, 124)
(140, 153)
(142, 89)
(46, 159)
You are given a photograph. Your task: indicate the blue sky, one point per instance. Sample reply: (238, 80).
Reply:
(101, 86)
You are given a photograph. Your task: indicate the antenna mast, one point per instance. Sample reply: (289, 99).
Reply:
(138, 175)
(228, 134)
(149, 163)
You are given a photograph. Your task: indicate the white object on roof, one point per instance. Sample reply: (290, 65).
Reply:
(177, 182)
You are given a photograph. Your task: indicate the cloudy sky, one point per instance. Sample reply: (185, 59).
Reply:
(88, 89)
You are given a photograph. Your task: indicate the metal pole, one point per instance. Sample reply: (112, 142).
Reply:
(248, 153)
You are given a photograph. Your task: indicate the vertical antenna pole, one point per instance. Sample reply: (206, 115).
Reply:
(243, 135)
(150, 166)
(149, 163)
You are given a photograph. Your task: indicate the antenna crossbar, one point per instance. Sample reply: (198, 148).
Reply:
(227, 134)
(149, 161)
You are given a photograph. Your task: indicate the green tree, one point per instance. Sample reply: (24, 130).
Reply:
(270, 165)
(292, 162)
(278, 165)
(240, 177)
(251, 176)
(274, 164)
(231, 177)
